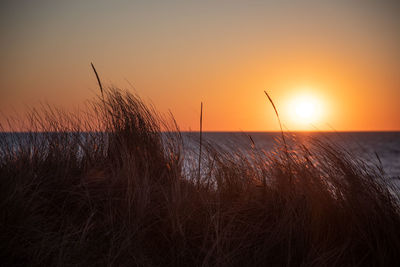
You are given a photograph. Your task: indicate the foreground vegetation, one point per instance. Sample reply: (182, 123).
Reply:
(107, 188)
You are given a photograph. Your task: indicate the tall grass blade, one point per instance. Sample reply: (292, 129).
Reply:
(201, 140)
(279, 120)
(98, 80)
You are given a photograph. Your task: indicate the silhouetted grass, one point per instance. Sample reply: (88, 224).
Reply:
(108, 188)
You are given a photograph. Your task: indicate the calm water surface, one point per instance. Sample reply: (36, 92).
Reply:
(363, 144)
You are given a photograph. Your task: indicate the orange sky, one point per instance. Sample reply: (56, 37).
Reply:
(224, 53)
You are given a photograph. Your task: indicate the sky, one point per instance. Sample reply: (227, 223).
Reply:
(343, 55)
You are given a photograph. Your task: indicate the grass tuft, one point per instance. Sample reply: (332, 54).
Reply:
(111, 189)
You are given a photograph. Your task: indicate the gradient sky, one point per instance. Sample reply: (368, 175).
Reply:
(224, 53)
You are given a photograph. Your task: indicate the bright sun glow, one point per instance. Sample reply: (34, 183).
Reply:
(305, 109)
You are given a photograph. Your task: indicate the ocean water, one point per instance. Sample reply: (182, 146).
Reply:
(365, 145)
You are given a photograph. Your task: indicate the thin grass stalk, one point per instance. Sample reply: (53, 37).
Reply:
(201, 140)
(279, 120)
(282, 134)
(101, 88)
(98, 80)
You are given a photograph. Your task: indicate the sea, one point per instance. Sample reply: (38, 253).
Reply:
(380, 148)
(374, 147)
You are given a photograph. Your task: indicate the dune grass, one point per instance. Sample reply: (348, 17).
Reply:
(111, 190)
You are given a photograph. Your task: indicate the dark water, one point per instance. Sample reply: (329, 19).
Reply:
(363, 144)
(366, 145)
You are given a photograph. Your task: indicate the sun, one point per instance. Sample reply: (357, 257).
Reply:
(305, 109)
